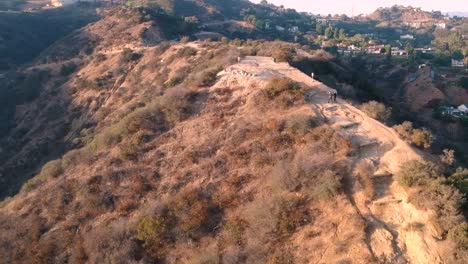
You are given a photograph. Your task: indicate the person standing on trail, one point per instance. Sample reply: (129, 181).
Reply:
(238, 59)
(330, 97)
(334, 96)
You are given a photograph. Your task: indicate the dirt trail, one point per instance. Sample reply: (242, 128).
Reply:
(396, 231)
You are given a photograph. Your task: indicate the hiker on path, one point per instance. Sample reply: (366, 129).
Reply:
(334, 96)
(330, 97)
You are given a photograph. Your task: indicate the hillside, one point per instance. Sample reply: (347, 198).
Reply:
(19, 43)
(403, 13)
(209, 171)
(121, 143)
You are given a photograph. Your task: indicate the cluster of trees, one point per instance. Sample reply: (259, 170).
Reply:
(330, 32)
(450, 45)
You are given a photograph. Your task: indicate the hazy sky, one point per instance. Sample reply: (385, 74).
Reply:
(368, 6)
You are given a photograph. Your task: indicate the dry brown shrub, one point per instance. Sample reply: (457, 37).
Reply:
(327, 186)
(377, 110)
(327, 139)
(261, 216)
(126, 204)
(278, 86)
(112, 243)
(300, 124)
(195, 213)
(365, 171)
(280, 256)
(43, 252)
(293, 214)
(235, 230)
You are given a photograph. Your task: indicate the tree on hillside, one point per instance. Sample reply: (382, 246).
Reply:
(319, 28)
(166, 5)
(457, 55)
(329, 32)
(336, 33)
(342, 34)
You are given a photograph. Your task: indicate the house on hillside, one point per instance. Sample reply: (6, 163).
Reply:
(450, 111)
(59, 3)
(459, 111)
(279, 28)
(440, 25)
(407, 37)
(294, 29)
(375, 49)
(458, 63)
(424, 50)
(399, 52)
(350, 50)
(463, 108)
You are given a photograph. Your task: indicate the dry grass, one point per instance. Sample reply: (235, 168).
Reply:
(365, 171)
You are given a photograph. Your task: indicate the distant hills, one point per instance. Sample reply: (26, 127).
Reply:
(403, 13)
(457, 13)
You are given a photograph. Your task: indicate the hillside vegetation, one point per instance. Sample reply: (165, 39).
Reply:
(24, 35)
(126, 142)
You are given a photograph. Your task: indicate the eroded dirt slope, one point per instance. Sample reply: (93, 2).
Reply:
(396, 231)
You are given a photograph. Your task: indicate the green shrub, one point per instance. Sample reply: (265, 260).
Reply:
(152, 228)
(377, 110)
(460, 180)
(52, 169)
(279, 85)
(284, 54)
(300, 124)
(414, 173)
(128, 150)
(71, 158)
(459, 235)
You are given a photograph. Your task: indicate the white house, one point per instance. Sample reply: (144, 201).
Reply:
(407, 36)
(463, 108)
(279, 28)
(458, 63)
(452, 111)
(425, 50)
(399, 52)
(58, 3)
(294, 29)
(441, 25)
